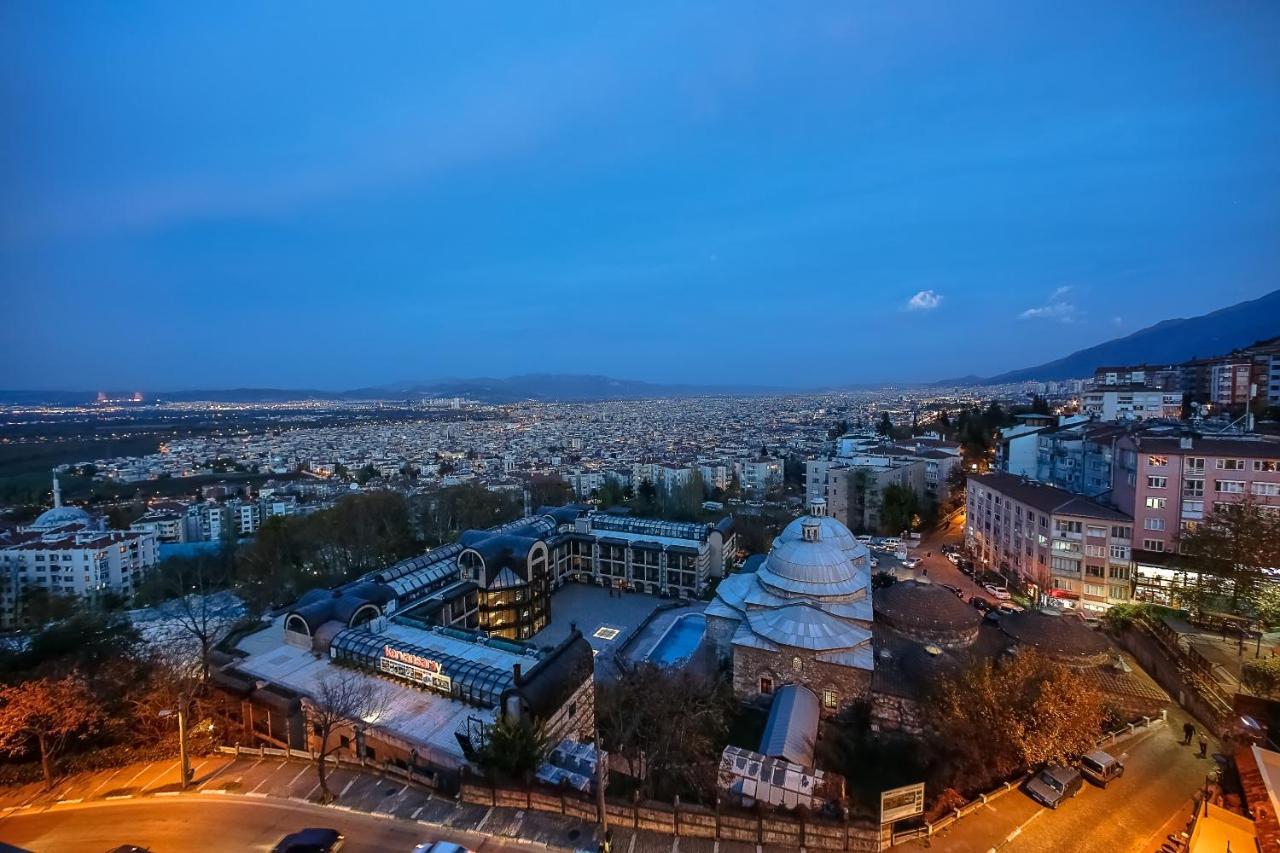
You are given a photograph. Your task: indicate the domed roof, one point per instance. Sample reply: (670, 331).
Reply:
(811, 565)
(61, 515)
(831, 531)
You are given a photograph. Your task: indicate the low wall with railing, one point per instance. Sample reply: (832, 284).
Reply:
(682, 820)
(386, 767)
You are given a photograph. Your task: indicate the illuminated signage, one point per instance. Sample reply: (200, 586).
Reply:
(414, 668)
(411, 659)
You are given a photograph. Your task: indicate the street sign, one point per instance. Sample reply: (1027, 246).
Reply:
(901, 803)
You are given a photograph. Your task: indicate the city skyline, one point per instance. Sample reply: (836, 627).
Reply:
(854, 196)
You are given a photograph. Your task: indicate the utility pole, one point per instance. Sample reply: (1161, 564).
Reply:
(182, 742)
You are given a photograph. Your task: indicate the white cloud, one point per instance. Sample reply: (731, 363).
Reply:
(1057, 308)
(925, 300)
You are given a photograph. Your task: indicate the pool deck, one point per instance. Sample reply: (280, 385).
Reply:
(652, 634)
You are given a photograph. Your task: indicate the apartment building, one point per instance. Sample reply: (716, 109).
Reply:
(1065, 549)
(853, 487)
(1230, 380)
(68, 552)
(1078, 456)
(1172, 483)
(1131, 403)
(757, 476)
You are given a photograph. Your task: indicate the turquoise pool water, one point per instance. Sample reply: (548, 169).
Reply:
(680, 641)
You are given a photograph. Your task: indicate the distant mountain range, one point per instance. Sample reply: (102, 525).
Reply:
(551, 387)
(1167, 342)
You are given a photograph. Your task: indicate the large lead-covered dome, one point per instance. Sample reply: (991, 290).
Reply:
(811, 564)
(61, 515)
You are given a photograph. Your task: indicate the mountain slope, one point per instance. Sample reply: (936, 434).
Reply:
(1167, 342)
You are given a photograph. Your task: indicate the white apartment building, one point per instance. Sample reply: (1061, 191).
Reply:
(1135, 403)
(757, 475)
(68, 552)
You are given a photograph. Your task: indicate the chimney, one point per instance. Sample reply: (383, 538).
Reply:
(515, 673)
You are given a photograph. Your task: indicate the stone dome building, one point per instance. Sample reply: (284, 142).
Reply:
(802, 617)
(927, 613)
(1066, 639)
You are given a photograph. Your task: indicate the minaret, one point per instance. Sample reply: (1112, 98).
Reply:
(57, 490)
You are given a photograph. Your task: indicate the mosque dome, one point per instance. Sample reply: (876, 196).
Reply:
(811, 564)
(831, 529)
(61, 515)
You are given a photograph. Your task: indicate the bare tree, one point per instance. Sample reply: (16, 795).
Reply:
(194, 609)
(342, 698)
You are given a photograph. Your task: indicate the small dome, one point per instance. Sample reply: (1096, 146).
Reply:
(830, 530)
(817, 568)
(61, 515)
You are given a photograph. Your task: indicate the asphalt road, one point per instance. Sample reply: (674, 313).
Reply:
(1129, 816)
(184, 824)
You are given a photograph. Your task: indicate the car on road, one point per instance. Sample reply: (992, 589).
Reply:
(981, 604)
(999, 592)
(864, 538)
(954, 590)
(1101, 767)
(1006, 607)
(875, 562)
(993, 616)
(911, 562)
(441, 847)
(1054, 784)
(967, 567)
(313, 839)
(891, 543)
(953, 557)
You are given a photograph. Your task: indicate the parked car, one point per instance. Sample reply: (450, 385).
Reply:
(980, 603)
(999, 592)
(954, 590)
(949, 549)
(1006, 607)
(993, 616)
(875, 562)
(911, 562)
(310, 840)
(891, 543)
(1101, 767)
(441, 847)
(1054, 784)
(953, 557)
(864, 538)
(966, 566)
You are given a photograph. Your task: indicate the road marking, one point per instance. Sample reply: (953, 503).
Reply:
(214, 775)
(144, 769)
(119, 797)
(103, 783)
(299, 776)
(1018, 831)
(163, 772)
(347, 788)
(480, 825)
(167, 793)
(632, 846)
(313, 792)
(416, 812)
(76, 800)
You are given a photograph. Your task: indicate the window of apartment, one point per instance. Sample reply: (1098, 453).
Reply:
(1193, 488)
(1095, 571)
(1119, 552)
(1157, 461)
(1157, 503)
(1095, 589)
(829, 699)
(1153, 524)
(1095, 551)
(1096, 532)
(1193, 506)
(1069, 526)
(1230, 464)
(1266, 489)
(1230, 487)
(1266, 465)
(1157, 482)
(1195, 463)
(1121, 532)
(1062, 564)
(1153, 544)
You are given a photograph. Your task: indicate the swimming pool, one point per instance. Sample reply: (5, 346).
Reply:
(680, 640)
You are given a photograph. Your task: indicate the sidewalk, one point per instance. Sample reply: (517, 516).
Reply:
(355, 789)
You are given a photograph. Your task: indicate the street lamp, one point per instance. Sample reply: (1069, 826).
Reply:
(182, 740)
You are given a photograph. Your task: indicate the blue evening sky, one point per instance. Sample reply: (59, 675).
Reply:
(340, 194)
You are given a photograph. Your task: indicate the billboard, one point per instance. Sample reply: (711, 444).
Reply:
(901, 803)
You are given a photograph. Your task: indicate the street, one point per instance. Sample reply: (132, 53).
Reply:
(1152, 799)
(213, 823)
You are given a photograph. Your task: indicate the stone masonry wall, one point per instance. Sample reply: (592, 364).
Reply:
(750, 665)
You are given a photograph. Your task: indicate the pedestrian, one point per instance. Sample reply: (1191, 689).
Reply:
(1188, 731)
(1204, 745)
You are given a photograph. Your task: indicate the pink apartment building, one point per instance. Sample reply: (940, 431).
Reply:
(1171, 483)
